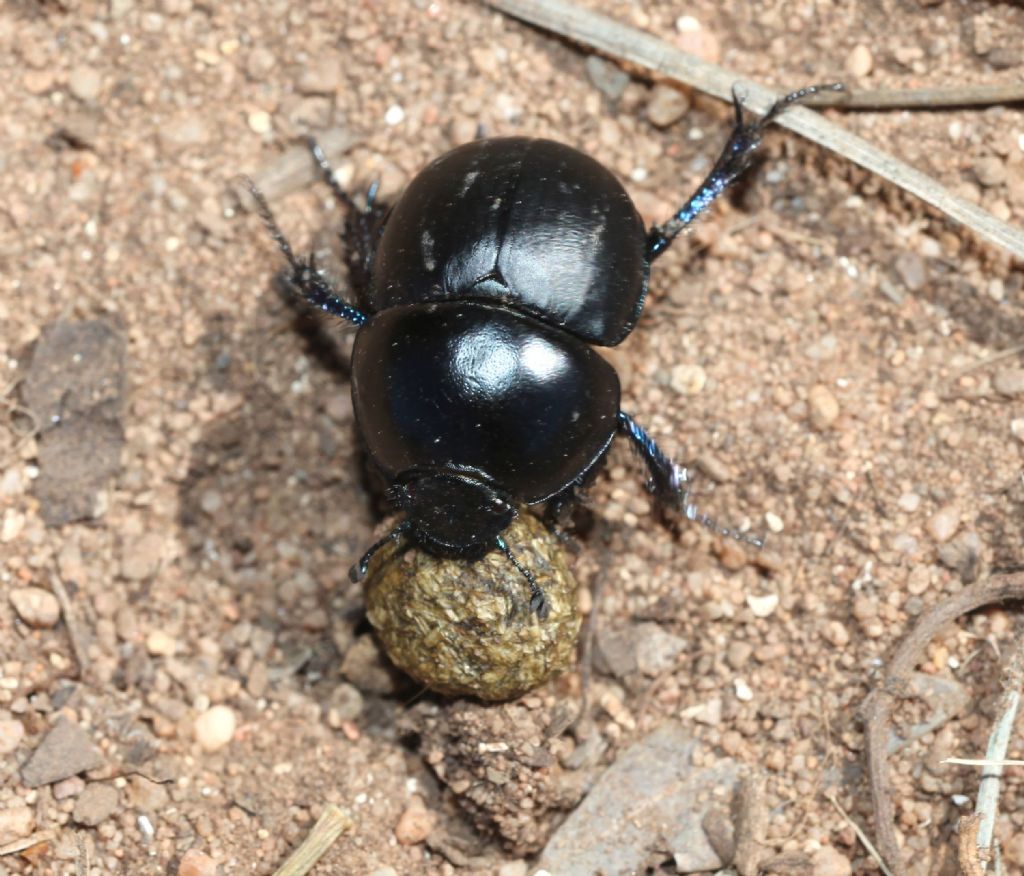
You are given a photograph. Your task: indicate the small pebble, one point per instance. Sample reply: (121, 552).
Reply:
(688, 379)
(859, 62)
(1017, 428)
(666, 106)
(95, 804)
(990, 171)
(37, 607)
(15, 822)
(514, 868)
(1009, 381)
(943, 524)
(743, 692)
(909, 502)
(161, 644)
(414, 825)
(1004, 58)
(763, 606)
(197, 863)
(395, 115)
(67, 788)
(912, 270)
(215, 728)
(85, 83)
(259, 63)
(836, 634)
(828, 861)
(142, 557)
(823, 407)
(697, 40)
(11, 733)
(608, 78)
(260, 122)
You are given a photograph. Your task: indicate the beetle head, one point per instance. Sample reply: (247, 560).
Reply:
(450, 513)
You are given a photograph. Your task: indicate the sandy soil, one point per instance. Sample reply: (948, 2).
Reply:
(822, 345)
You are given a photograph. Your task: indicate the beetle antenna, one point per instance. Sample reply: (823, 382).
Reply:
(670, 482)
(358, 572)
(735, 158)
(538, 600)
(305, 276)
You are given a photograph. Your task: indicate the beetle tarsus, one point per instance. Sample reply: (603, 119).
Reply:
(670, 482)
(733, 161)
(538, 598)
(358, 572)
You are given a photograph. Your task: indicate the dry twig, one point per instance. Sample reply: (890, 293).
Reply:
(922, 98)
(329, 826)
(967, 846)
(71, 622)
(637, 47)
(879, 705)
(863, 837)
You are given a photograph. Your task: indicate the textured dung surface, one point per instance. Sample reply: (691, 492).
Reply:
(466, 629)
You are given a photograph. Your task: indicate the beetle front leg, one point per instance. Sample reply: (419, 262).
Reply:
(304, 275)
(736, 157)
(670, 482)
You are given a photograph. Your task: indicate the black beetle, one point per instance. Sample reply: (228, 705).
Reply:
(474, 382)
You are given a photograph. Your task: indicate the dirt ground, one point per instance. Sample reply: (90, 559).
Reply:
(825, 348)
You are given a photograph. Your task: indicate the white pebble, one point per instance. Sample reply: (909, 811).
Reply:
(35, 606)
(259, 122)
(743, 692)
(763, 606)
(774, 522)
(160, 644)
(215, 728)
(394, 116)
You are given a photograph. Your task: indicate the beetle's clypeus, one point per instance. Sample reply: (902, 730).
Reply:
(475, 381)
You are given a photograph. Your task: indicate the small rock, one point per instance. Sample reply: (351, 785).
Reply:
(16, 822)
(688, 379)
(990, 171)
(709, 713)
(606, 77)
(260, 122)
(141, 558)
(345, 703)
(323, 76)
(11, 526)
(96, 804)
(943, 524)
(257, 680)
(37, 607)
(637, 804)
(414, 825)
(365, 666)
(67, 788)
(763, 606)
(1004, 58)
(962, 554)
(836, 634)
(394, 115)
(197, 863)
(65, 751)
(828, 861)
(738, 654)
(11, 733)
(259, 63)
(161, 644)
(743, 692)
(147, 796)
(485, 59)
(215, 728)
(823, 407)
(859, 62)
(911, 270)
(656, 649)
(85, 83)
(1009, 381)
(38, 81)
(666, 106)
(514, 868)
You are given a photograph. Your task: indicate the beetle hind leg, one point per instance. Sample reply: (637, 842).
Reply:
(670, 482)
(735, 158)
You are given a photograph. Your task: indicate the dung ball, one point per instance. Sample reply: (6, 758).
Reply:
(464, 628)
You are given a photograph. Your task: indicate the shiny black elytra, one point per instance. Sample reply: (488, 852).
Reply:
(474, 380)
